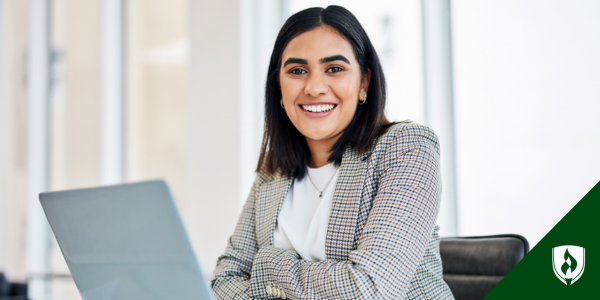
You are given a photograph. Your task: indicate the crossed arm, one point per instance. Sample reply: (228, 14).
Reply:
(388, 252)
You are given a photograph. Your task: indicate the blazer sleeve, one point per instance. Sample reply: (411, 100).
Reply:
(232, 273)
(392, 242)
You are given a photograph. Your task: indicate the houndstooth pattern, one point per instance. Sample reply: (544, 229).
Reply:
(381, 243)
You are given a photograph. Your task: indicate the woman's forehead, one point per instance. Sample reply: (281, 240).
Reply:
(318, 43)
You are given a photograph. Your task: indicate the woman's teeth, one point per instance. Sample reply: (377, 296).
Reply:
(318, 108)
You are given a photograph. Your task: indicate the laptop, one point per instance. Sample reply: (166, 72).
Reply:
(125, 242)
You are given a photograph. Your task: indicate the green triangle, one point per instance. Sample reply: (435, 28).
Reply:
(533, 277)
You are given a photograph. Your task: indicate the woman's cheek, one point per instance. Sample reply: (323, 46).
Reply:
(291, 89)
(344, 88)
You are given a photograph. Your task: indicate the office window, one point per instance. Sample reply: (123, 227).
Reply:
(156, 92)
(528, 135)
(14, 20)
(74, 108)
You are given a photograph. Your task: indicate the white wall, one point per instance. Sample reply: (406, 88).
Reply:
(231, 42)
(527, 90)
(213, 131)
(259, 24)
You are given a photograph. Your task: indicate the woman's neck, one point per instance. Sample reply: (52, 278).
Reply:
(320, 150)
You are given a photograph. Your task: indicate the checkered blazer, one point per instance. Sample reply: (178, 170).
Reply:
(382, 241)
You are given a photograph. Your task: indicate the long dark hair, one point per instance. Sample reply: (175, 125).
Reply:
(284, 149)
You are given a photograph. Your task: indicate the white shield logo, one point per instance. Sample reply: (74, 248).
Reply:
(568, 263)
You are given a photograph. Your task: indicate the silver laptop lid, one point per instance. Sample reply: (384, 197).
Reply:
(125, 242)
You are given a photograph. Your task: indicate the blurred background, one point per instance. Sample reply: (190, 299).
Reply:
(99, 92)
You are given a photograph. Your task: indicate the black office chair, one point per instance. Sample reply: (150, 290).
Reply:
(474, 265)
(12, 291)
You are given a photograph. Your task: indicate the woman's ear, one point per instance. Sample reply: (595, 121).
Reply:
(364, 83)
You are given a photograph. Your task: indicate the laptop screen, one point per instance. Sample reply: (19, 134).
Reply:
(125, 242)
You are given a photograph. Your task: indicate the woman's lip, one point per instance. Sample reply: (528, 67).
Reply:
(317, 114)
(317, 103)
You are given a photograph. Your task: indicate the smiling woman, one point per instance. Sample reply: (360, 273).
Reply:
(321, 57)
(345, 202)
(316, 84)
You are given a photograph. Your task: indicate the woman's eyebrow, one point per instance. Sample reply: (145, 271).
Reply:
(293, 60)
(334, 58)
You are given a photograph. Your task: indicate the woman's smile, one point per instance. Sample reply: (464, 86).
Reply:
(317, 109)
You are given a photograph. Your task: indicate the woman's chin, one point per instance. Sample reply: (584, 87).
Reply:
(320, 135)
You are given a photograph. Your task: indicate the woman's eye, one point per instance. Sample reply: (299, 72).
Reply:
(334, 70)
(297, 71)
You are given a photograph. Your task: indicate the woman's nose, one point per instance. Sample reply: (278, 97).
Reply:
(316, 86)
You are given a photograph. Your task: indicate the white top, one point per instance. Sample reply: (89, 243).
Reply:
(304, 217)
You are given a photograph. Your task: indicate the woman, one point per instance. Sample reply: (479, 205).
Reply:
(344, 203)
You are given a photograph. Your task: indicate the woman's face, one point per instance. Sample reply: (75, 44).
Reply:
(321, 83)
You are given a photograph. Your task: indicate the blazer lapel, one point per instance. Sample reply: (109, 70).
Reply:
(269, 201)
(343, 218)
